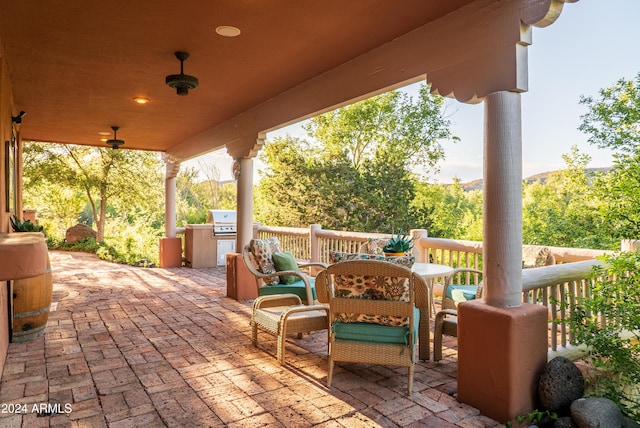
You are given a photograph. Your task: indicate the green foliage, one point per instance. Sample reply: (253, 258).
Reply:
(85, 245)
(399, 243)
(613, 119)
(24, 226)
(618, 196)
(564, 210)
(101, 178)
(447, 211)
(536, 417)
(359, 175)
(614, 345)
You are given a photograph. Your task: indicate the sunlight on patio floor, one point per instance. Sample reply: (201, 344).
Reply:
(128, 347)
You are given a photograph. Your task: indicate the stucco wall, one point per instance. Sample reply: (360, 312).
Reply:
(6, 107)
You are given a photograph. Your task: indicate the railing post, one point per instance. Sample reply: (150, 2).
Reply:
(255, 232)
(314, 244)
(418, 251)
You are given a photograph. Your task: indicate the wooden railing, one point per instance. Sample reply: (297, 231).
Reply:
(555, 287)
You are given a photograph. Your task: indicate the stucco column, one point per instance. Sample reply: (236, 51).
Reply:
(171, 172)
(502, 343)
(243, 170)
(502, 240)
(170, 245)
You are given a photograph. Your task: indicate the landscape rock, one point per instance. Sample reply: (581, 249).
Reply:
(78, 232)
(629, 423)
(565, 422)
(596, 413)
(560, 384)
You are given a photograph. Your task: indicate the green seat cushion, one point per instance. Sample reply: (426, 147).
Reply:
(285, 261)
(368, 332)
(296, 288)
(460, 293)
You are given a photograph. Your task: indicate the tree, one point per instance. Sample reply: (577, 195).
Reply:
(391, 126)
(613, 120)
(563, 210)
(447, 211)
(618, 194)
(126, 178)
(359, 173)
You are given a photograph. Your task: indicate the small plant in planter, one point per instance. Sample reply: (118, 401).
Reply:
(24, 226)
(398, 244)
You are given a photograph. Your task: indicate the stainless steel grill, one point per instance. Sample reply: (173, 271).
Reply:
(224, 221)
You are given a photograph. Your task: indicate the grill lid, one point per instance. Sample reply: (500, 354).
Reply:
(225, 217)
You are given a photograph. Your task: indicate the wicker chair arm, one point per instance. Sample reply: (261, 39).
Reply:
(444, 312)
(276, 300)
(314, 264)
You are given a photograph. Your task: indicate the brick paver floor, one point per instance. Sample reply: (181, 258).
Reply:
(137, 347)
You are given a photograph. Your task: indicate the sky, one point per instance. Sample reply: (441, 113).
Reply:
(592, 45)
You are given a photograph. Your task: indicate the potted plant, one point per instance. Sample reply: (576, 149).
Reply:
(398, 245)
(24, 226)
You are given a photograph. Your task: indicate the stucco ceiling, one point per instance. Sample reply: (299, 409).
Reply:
(75, 66)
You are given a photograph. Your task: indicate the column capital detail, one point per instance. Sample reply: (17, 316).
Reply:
(489, 54)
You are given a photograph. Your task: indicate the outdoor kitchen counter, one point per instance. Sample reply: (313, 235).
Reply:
(22, 255)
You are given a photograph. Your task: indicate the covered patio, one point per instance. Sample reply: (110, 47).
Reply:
(129, 346)
(76, 70)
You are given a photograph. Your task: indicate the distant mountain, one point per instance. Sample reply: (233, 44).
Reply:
(541, 177)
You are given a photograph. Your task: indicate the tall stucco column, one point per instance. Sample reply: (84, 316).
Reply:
(502, 343)
(171, 172)
(240, 282)
(243, 170)
(170, 245)
(502, 227)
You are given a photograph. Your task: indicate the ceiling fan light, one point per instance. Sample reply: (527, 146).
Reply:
(182, 83)
(114, 142)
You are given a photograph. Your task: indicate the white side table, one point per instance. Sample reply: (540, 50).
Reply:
(431, 271)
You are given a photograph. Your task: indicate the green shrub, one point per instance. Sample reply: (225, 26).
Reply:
(614, 345)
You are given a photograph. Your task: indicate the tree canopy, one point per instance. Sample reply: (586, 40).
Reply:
(126, 179)
(613, 119)
(359, 172)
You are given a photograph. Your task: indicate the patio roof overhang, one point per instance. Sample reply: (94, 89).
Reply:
(75, 67)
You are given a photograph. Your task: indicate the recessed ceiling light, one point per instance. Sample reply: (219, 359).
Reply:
(141, 100)
(106, 134)
(104, 139)
(228, 31)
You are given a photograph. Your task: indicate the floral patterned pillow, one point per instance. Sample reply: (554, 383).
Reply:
(375, 245)
(374, 288)
(262, 250)
(533, 257)
(339, 256)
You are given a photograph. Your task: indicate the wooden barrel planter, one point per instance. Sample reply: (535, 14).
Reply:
(31, 305)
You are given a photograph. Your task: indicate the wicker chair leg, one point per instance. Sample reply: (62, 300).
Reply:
(410, 380)
(330, 372)
(254, 333)
(281, 339)
(423, 337)
(437, 337)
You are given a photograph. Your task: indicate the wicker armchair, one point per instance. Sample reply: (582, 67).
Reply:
(453, 293)
(446, 322)
(373, 313)
(279, 309)
(258, 257)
